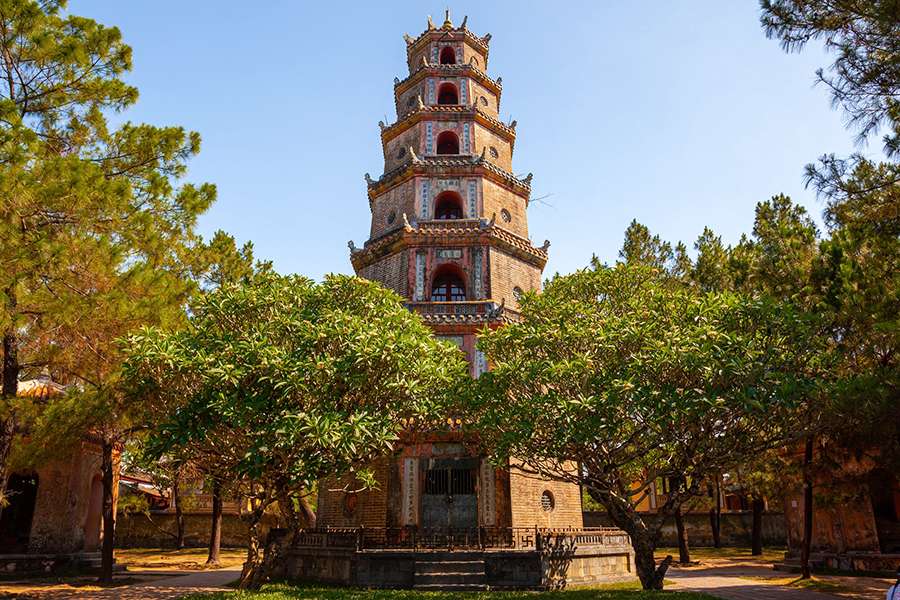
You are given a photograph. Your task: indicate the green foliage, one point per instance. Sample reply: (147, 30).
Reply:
(864, 78)
(284, 381)
(635, 378)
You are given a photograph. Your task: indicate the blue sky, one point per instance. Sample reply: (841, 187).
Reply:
(679, 114)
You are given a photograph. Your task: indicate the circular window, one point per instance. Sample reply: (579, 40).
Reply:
(547, 501)
(484, 101)
(392, 217)
(517, 293)
(401, 152)
(494, 153)
(504, 214)
(410, 102)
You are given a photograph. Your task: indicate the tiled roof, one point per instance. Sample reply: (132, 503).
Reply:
(480, 42)
(419, 164)
(460, 228)
(42, 387)
(452, 70)
(419, 112)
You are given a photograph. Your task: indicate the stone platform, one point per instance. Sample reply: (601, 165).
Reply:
(540, 560)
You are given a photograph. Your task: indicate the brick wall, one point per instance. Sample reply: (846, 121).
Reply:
(411, 137)
(67, 490)
(391, 272)
(492, 106)
(495, 198)
(736, 528)
(397, 200)
(507, 273)
(525, 502)
(371, 508)
(486, 137)
(157, 530)
(406, 102)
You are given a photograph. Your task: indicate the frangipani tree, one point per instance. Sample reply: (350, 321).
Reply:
(638, 378)
(282, 381)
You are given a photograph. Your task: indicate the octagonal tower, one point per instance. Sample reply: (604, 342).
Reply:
(449, 233)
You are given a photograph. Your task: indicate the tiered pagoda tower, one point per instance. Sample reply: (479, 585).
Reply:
(450, 234)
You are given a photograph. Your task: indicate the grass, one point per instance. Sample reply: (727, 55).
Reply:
(623, 591)
(187, 559)
(769, 555)
(815, 584)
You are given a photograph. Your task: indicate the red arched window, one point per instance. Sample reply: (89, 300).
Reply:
(447, 143)
(448, 286)
(447, 94)
(448, 205)
(448, 56)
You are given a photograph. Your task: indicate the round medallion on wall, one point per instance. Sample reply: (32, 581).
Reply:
(484, 101)
(494, 153)
(504, 214)
(517, 293)
(350, 502)
(410, 102)
(473, 61)
(401, 152)
(547, 501)
(392, 216)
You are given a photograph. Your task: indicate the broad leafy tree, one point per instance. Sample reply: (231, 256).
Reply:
(283, 381)
(638, 378)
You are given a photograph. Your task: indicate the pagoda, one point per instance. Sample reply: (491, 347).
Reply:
(449, 234)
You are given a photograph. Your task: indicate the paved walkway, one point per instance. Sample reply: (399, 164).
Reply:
(733, 587)
(749, 583)
(166, 588)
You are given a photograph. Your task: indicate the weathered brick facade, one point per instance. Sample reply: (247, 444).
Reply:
(449, 233)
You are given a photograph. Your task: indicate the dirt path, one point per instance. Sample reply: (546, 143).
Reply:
(163, 588)
(755, 582)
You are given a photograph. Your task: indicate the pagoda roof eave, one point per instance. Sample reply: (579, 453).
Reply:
(456, 165)
(448, 111)
(462, 231)
(481, 43)
(426, 69)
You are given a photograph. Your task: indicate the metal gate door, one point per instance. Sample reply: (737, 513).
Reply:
(449, 503)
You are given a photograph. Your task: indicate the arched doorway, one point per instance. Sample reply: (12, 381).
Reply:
(447, 143)
(15, 520)
(448, 285)
(448, 205)
(448, 56)
(448, 94)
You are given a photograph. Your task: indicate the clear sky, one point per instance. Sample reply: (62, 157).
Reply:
(680, 114)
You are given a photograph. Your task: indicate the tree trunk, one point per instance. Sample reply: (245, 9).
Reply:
(109, 515)
(215, 533)
(684, 554)
(643, 539)
(756, 536)
(309, 516)
(715, 514)
(807, 509)
(179, 513)
(10, 388)
(252, 575)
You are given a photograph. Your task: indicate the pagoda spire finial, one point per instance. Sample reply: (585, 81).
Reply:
(448, 24)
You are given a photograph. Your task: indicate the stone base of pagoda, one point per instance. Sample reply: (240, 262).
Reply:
(558, 559)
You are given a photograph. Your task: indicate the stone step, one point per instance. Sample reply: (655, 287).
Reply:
(450, 587)
(451, 578)
(447, 566)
